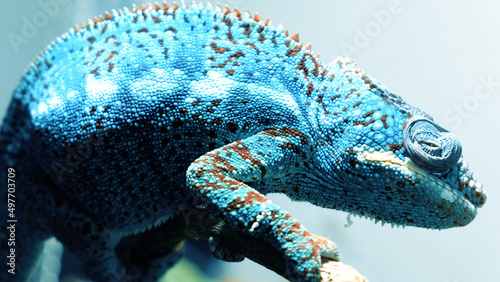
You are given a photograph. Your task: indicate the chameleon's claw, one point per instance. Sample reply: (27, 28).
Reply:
(328, 248)
(304, 258)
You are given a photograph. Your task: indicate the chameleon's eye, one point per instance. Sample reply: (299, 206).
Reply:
(430, 146)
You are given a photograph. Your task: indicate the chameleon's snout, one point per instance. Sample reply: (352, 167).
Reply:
(430, 146)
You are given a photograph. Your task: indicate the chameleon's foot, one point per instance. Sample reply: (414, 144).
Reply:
(303, 261)
(219, 251)
(328, 248)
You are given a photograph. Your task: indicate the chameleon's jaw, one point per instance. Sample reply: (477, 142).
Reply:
(453, 196)
(455, 184)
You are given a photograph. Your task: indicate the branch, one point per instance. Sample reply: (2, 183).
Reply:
(201, 225)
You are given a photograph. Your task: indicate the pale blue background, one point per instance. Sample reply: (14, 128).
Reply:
(435, 54)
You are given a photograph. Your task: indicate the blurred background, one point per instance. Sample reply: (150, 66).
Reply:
(440, 56)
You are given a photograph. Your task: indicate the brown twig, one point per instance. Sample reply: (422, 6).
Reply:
(202, 225)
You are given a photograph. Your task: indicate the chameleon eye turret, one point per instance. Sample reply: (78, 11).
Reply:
(430, 146)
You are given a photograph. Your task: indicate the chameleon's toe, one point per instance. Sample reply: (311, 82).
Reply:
(328, 248)
(304, 259)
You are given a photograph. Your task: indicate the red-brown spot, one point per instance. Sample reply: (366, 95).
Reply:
(104, 29)
(294, 51)
(287, 132)
(217, 49)
(253, 47)
(171, 29)
(245, 154)
(369, 114)
(156, 19)
(113, 53)
(252, 197)
(310, 88)
(394, 147)
(364, 123)
(95, 71)
(383, 119)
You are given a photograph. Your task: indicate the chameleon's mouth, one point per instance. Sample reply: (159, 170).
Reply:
(414, 196)
(456, 184)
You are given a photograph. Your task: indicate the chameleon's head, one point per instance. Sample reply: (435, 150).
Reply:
(396, 164)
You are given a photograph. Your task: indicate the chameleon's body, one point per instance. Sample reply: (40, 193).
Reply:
(122, 122)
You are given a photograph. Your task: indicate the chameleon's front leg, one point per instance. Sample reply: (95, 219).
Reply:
(217, 180)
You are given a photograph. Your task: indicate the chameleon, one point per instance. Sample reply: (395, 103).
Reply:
(126, 119)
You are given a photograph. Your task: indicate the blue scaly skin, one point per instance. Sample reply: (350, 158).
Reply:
(124, 120)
